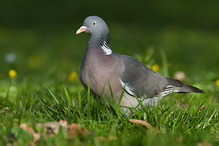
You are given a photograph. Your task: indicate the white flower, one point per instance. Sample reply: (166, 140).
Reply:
(10, 57)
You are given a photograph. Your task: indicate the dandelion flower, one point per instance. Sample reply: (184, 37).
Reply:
(12, 73)
(217, 82)
(155, 67)
(72, 76)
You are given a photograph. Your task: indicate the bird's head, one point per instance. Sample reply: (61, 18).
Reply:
(94, 26)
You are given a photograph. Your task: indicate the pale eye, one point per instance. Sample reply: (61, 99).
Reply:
(94, 23)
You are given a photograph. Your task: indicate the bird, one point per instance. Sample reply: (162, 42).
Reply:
(118, 77)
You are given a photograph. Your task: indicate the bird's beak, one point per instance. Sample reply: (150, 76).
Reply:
(81, 29)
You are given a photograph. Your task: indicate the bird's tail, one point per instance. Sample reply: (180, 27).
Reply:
(182, 87)
(187, 88)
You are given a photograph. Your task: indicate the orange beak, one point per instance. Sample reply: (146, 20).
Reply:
(81, 29)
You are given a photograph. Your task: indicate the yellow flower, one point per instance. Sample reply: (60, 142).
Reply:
(12, 73)
(155, 67)
(72, 76)
(217, 82)
(34, 61)
(1, 75)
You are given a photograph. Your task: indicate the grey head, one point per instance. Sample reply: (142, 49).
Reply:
(94, 25)
(98, 30)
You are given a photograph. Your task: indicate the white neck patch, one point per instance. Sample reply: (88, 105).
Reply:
(106, 49)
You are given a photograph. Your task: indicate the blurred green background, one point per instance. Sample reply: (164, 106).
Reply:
(37, 37)
(38, 42)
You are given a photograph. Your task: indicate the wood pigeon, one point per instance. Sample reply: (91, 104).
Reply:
(104, 70)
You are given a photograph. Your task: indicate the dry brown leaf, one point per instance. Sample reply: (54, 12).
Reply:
(63, 123)
(112, 138)
(74, 131)
(205, 143)
(26, 128)
(103, 139)
(136, 121)
(53, 127)
(36, 136)
(202, 107)
(179, 139)
(31, 143)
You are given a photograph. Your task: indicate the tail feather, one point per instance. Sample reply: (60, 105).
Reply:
(182, 87)
(187, 88)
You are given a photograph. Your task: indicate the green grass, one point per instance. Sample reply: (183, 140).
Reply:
(41, 92)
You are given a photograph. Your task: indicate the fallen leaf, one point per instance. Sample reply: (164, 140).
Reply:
(53, 127)
(50, 131)
(36, 136)
(74, 131)
(26, 128)
(63, 123)
(136, 121)
(112, 138)
(202, 107)
(179, 139)
(103, 139)
(204, 143)
(31, 143)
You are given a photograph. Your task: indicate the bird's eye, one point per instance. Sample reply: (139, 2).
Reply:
(94, 23)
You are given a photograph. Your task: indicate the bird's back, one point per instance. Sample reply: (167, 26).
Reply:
(142, 80)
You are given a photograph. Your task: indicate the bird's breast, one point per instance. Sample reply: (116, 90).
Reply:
(98, 70)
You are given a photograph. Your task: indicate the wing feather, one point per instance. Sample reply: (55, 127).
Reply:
(138, 80)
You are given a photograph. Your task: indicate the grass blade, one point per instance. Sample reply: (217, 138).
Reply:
(79, 99)
(54, 97)
(67, 96)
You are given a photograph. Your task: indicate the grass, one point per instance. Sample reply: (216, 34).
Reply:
(41, 91)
